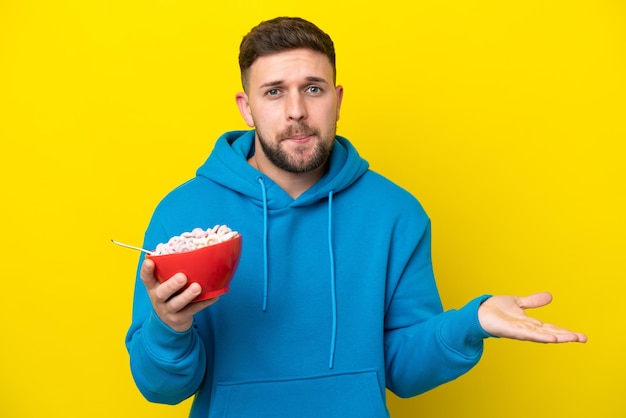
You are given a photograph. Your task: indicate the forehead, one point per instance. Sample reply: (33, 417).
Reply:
(290, 65)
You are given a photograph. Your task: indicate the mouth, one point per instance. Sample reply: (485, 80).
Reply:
(299, 138)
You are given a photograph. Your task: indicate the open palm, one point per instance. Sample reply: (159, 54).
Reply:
(505, 316)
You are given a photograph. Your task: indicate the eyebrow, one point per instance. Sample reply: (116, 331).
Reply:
(279, 82)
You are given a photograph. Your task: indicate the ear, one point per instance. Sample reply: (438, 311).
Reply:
(339, 91)
(244, 108)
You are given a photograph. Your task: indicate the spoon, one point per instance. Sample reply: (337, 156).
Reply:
(131, 247)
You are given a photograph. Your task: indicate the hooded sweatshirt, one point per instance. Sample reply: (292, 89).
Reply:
(334, 299)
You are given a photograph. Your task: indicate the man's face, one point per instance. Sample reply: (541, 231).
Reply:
(292, 102)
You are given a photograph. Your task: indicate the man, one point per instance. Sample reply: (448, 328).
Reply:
(334, 299)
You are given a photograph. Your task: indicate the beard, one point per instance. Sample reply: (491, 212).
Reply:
(302, 159)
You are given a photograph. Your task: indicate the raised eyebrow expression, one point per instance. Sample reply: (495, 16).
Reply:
(277, 83)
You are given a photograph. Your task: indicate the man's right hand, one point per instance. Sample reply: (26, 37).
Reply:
(175, 311)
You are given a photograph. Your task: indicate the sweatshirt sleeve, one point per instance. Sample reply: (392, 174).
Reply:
(167, 366)
(425, 346)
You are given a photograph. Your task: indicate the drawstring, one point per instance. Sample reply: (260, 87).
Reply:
(333, 339)
(265, 267)
(333, 293)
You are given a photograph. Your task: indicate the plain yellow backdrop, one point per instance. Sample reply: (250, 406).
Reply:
(506, 119)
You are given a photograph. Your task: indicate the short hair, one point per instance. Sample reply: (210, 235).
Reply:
(283, 34)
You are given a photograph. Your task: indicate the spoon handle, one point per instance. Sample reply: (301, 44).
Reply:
(131, 247)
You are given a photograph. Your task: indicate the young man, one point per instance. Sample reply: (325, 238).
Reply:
(334, 299)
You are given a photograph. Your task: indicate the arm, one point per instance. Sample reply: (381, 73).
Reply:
(167, 357)
(425, 346)
(425, 355)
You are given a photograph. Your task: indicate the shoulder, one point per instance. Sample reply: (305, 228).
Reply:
(186, 200)
(380, 201)
(384, 192)
(192, 190)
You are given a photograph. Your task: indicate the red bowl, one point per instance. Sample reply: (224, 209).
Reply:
(213, 266)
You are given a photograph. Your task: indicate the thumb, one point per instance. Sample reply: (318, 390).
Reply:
(536, 300)
(147, 272)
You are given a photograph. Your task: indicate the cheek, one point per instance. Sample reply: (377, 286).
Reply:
(331, 116)
(267, 117)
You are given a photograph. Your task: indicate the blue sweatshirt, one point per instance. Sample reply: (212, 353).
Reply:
(334, 299)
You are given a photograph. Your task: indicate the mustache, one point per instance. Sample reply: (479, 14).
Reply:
(298, 129)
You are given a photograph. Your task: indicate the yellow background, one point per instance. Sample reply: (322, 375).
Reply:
(506, 119)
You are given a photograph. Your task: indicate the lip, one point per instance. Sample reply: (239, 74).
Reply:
(299, 138)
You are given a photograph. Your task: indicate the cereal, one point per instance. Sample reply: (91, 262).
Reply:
(198, 238)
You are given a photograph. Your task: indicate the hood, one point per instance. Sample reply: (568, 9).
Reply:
(228, 166)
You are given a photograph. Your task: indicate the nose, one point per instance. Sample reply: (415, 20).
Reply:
(295, 107)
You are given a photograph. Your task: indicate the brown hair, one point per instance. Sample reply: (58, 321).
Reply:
(282, 34)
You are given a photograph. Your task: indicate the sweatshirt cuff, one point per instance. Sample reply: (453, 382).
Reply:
(163, 341)
(462, 330)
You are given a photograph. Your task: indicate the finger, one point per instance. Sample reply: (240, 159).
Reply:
(536, 300)
(564, 335)
(547, 333)
(182, 300)
(169, 287)
(201, 304)
(555, 337)
(147, 274)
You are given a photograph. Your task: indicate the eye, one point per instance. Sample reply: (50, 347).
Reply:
(272, 92)
(314, 90)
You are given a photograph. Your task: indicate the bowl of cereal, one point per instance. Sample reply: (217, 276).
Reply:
(208, 257)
